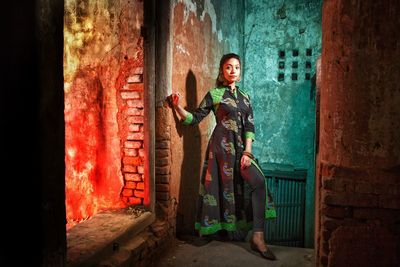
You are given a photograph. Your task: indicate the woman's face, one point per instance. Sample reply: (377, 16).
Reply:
(231, 70)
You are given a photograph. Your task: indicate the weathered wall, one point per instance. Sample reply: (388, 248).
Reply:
(284, 108)
(359, 158)
(202, 32)
(103, 48)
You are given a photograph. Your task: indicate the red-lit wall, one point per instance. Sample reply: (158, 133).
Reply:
(103, 54)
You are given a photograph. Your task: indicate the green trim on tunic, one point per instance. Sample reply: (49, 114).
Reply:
(240, 225)
(216, 95)
(250, 135)
(189, 119)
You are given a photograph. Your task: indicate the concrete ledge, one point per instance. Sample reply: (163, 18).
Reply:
(91, 241)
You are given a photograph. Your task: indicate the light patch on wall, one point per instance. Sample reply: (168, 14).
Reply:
(189, 7)
(181, 49)
(208, 9)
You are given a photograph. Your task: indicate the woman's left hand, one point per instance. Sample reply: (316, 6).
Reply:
(245, 162)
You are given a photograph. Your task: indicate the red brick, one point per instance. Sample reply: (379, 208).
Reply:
(332, 224)
(135, 200)
(327, 170)
(389, 202)
(164, 179)
(162, 162)
(133, 177)
(135, 136)
(336, 212)
(371, 213)
(135, 119)
(137, 70)
(364, 188)
(127, 192)
(328, 184)
(160, 229)
(130, 184)
(352, 173)
(362, 245)
(139, 193)
(344, 185)
(162, 153)
(140, 186)
(162, 187)
(134, 86)
(132, 161)
(136, 103)
(141, 152)
(131, 152)
(162, 170)
(134, 127)
(133, 111)
(130, 95)
(140, 169)
(129, 168)
(135, 78)
(347, 199)
(163, 144)
(132, 144)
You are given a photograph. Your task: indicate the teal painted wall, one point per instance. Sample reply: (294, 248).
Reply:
(284, 109)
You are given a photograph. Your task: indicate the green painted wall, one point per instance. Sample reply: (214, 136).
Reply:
(284, 109)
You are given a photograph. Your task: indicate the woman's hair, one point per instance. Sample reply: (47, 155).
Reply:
(221, 79)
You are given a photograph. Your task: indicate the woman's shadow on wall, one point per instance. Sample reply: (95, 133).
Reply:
(191, 164)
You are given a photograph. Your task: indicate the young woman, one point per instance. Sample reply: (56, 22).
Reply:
(230, 169)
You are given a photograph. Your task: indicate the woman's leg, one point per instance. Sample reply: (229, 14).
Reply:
(255, 179)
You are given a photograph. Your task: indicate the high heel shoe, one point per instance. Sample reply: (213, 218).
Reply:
(268, 254)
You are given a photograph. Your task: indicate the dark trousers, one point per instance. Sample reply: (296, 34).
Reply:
(255, 179)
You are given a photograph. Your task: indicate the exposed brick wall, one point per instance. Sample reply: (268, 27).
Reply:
(160, 235)
(358, 167)
(163, 155)
(131, 120)
(360, 214)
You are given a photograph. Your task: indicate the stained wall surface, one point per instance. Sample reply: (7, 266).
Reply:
(359, 159)
(282, 43)
(102, 49)
(202, 31)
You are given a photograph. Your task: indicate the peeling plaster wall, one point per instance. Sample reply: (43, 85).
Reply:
(102, 46)
(284, 111)
(202, 32)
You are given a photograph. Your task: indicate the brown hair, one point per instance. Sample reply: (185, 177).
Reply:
(220, 79)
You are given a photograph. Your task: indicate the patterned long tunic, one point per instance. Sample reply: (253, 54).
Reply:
(223, 199)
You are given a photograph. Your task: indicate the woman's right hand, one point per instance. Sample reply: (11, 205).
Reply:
(173, 99)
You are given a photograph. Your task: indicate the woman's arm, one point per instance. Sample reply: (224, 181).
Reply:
(174, 100)
(181, 112)
(192, 118)
(247, 145)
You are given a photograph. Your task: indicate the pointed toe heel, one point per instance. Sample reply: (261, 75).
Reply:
(268, 254)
